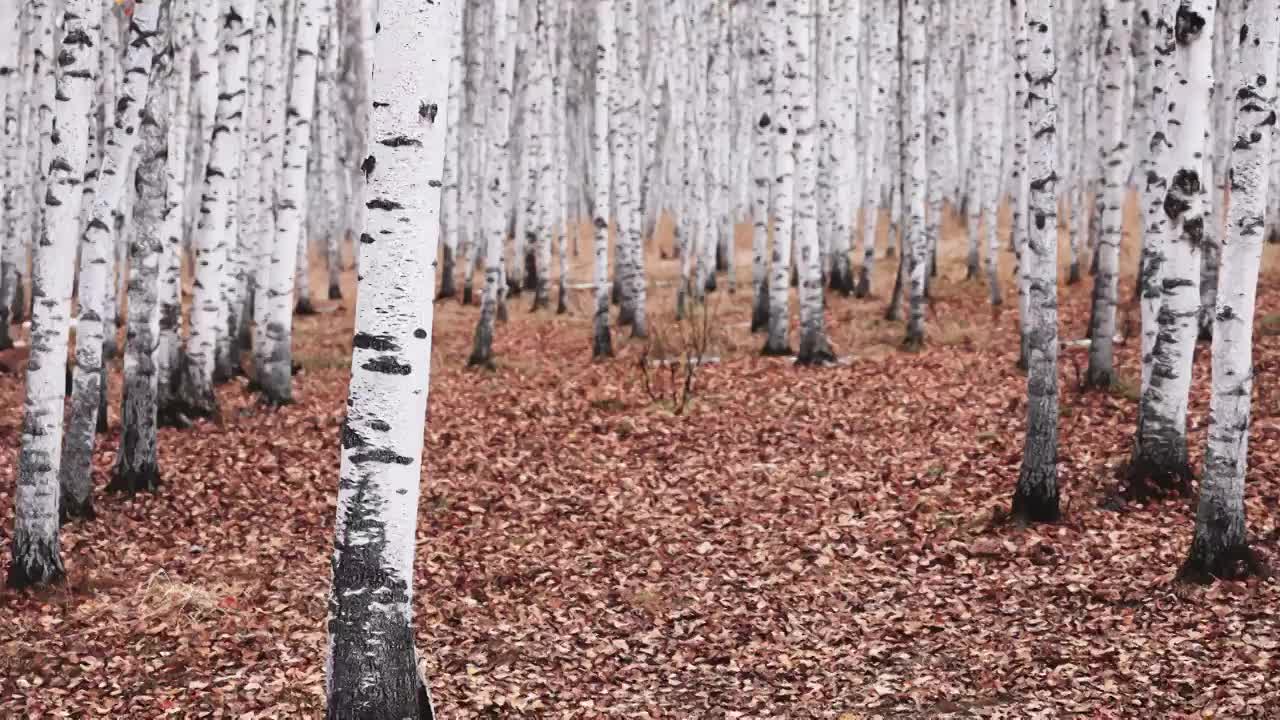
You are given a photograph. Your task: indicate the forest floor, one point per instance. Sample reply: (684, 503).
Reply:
(800, 543)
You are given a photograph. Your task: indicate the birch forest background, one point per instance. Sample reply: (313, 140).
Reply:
(605, 358)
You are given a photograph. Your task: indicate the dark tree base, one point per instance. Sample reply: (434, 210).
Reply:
(771, 350)
(1032, 505)
(501, 315)
(18, 312)
(1273, 236)
(913, 342)
(815, 353)
(466, 295)
(1204, 565)
(891, 251)
(35, 563)
(304, 307)
(842, 279)
(481, 357)
(863, 289)
(135, 480)
(639, 331)
(1073, 274)
(71, 509)
(335, 292)
(1206, 330)
(615, 291)
(601, 343)
(1099, 379)
(626, 314)
(1149, 479)
(6, 341)
(760, 310)
(971, 270)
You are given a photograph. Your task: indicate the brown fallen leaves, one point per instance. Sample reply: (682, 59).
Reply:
(801, 543)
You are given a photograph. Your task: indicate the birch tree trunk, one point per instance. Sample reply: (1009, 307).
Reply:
(1020, 211)
(210, 300)
(450, 210)
(762, 164)
(12, 124)
(76, 87)
(97, 243)
(815, 348)
(1036, 496)
(784, 25)
(1160, 462)
(1220, 547)
(606, 71)
(276, 380)
(1159, 18)
(181, 96)
(36, 556)
(916, 242)
(497, 188)
(274, 128)
(237, 50)
(371, 670)
(137, 465)
(1116, 16)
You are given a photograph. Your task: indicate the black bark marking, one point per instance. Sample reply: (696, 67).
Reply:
(380, 343)
(387, 364)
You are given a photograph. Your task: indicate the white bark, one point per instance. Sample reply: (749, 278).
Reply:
(606, 71)
(497, 188)
(1160, 444)
(276, 381)
(1117, 16)
(137, 465)
(372, 664)
(762, 167)
(916, 240)
(35, 534)
(180, 89)
(211, 299)
(1160, 74)
(782, 22)
(1036, 496)
(97, 245)
(274, 82)
(1220, 543)
(815, 349)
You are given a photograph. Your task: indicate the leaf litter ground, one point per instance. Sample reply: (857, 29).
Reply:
(822, 543)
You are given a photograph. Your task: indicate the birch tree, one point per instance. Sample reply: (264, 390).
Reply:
(497, 190)
(210, 301)
(762, 167)
(1220, 547)
(1159, 18)
(778, 341)
(64, 134)
(916, 242)
(1160, 461)
(1036, 496)
(97, 244)
(372, 665)
(137, 464)
(815, 348)
(1115, 17)
(606, 71)
(276, 379)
